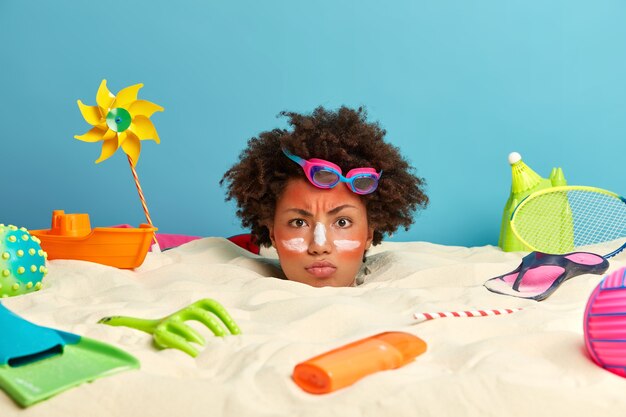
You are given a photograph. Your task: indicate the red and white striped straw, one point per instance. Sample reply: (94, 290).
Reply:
(470, 313)
(143, 201)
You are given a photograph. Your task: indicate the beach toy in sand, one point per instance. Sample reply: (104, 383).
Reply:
(524, 181)
(22, 261)
(38, 362)
(71, 237)
(347, 364)
(420, 317)
(604, 323)
(172, 332)
(121, 121)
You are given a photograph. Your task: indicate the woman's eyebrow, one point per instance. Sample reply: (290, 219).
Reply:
(332, 212)
(339, 208)
(301, 212)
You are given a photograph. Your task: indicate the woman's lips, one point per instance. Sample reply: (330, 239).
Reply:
(321, 269)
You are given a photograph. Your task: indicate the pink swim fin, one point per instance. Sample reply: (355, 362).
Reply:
(540, 274)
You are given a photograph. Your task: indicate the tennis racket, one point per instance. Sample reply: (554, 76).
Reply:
(559, 220)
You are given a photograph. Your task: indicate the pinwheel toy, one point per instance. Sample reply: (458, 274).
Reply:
(117, 121)
(124, 121)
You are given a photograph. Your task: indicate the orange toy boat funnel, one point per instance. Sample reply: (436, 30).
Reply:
(71, 237)
(70, 224)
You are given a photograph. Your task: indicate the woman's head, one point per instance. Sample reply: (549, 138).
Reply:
(320, 235)
(276, 201)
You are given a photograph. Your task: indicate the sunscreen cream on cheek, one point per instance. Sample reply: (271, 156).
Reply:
(296, 245)
(346, 245)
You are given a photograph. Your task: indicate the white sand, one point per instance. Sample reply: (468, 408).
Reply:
(531, 363)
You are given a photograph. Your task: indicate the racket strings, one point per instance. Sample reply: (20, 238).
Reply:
(597, 217)
(558, 222)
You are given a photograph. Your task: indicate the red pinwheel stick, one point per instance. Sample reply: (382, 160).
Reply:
(142, 197)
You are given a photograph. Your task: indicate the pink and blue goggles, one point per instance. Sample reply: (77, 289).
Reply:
(324, 174)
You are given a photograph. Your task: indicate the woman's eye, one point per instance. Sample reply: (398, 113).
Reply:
(343, 223)
(297, 223)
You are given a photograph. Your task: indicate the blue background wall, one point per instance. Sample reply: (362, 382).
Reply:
(457, 84)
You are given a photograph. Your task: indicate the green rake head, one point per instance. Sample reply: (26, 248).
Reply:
(172, 331)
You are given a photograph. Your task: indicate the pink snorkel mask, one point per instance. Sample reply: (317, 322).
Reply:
(324, 174)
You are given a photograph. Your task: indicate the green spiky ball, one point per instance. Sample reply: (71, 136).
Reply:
(22, 261)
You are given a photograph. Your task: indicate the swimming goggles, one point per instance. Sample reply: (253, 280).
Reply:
(324, 174)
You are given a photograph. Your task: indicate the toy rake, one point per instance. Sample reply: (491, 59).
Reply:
(172, 332)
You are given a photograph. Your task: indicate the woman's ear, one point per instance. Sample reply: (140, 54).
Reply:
(370, 238)
(270, 227)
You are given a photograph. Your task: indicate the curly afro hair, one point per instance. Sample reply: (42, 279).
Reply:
(344, 137)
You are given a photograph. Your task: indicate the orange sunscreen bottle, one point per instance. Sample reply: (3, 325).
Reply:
(347, 364)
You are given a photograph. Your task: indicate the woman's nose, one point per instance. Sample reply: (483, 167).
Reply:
(319, 244)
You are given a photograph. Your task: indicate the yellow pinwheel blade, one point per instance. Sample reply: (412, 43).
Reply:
(104, 97)
(93, 135)
(143, 108)
(132, 147)
(110, 134)
(91, 114)
(121, 137)
(127, 95)
(144, 129)
(108, 149)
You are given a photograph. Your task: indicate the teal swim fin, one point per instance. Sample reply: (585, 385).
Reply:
(37, 362)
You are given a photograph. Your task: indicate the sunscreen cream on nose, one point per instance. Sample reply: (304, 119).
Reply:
(319, 234)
